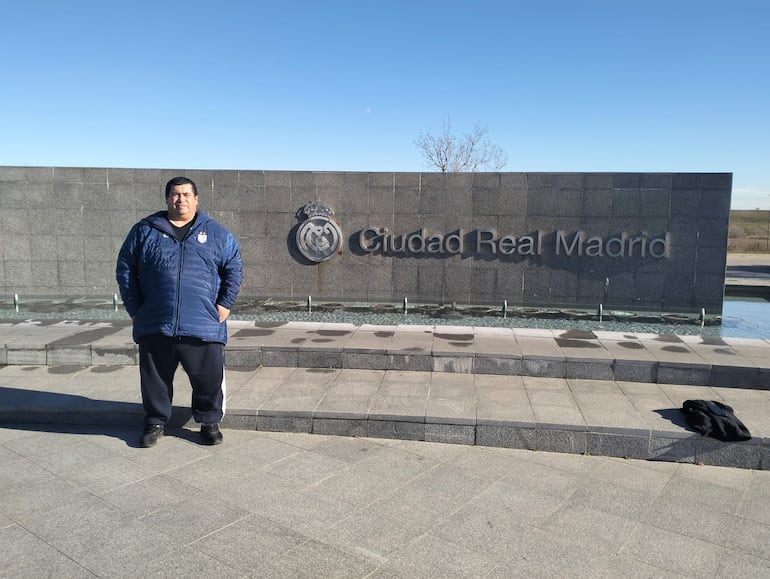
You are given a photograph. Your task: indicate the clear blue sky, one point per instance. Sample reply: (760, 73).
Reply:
(571, 85)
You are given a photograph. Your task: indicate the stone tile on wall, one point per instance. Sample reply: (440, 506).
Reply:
(649, 286)
(406, 200)
(626, 202)
(719, 181)
(710, 260)
(354, 281)
(70, 248)
(15, 222)
(18, 273)
(97, 272)
(44, 247)
(38, 174)
(148, 198)
(562, 287)
(251, 199)
(679, 290)
(13, 194)
(597, 202)
(483, 287)
(487, 202)
(621, 287)
(714, 205)
(278, 199)
(541, 183)
(379, 277)
(79, 175)
(45, 273)
(685, 203)
(662, 181)
(626, 181)
(405, 282)
(129, 176)
(513, 202)
(249, 225)
(655, 203)
(597, 181)
(71, 273)
(13, 175)
(279, 281)
(434, 201)
(685, 181)
(255, 278)
(16, 247)
(707, 286)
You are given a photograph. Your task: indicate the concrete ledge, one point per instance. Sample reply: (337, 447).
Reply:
(734, 376)
(37, 352)
(690, 374)
(638, 444)
(26, 355)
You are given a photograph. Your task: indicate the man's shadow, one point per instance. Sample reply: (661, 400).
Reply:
(41, 411)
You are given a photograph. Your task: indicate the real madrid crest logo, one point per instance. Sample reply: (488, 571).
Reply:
(318, 237)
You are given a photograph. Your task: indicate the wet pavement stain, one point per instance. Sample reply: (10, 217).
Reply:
(86, 337)
(562, 343)
(668, 338)
(455, 337)
(253, 333)
(62, 370)
(631, 345)
(578, 335)
(384, 334)
(677, 349)
(332, 332)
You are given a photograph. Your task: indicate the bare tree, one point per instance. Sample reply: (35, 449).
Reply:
(469, 153)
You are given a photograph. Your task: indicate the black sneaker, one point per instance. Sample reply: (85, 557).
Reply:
(211, 434)
(152, 432)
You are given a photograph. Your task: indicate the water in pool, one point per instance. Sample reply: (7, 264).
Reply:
(742, 317)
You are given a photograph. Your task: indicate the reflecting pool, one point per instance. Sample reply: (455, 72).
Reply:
(744, 317)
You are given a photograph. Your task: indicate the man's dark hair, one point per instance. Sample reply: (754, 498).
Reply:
(180, 181)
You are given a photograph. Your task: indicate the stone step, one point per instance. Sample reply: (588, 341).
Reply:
(598, 417)
(650, 358)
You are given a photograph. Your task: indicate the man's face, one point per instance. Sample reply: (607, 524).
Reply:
(182, 203)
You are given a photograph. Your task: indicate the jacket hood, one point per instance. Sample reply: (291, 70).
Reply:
(159, 220)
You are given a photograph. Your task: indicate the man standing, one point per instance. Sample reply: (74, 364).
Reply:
(179, 272)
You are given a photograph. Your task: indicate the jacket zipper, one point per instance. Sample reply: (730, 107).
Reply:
(178, 287)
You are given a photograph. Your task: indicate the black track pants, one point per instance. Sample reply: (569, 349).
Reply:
(160, 356)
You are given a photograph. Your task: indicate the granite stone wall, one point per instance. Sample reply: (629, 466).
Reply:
(625, 240)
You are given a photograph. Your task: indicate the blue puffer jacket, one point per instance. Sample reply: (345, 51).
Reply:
(172, 287)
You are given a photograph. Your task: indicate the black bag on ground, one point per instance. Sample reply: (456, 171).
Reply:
(714, 419)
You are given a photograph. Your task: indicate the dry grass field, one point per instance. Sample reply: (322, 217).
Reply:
(749, 231)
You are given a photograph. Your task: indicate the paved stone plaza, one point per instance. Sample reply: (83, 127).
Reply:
(81, 499)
